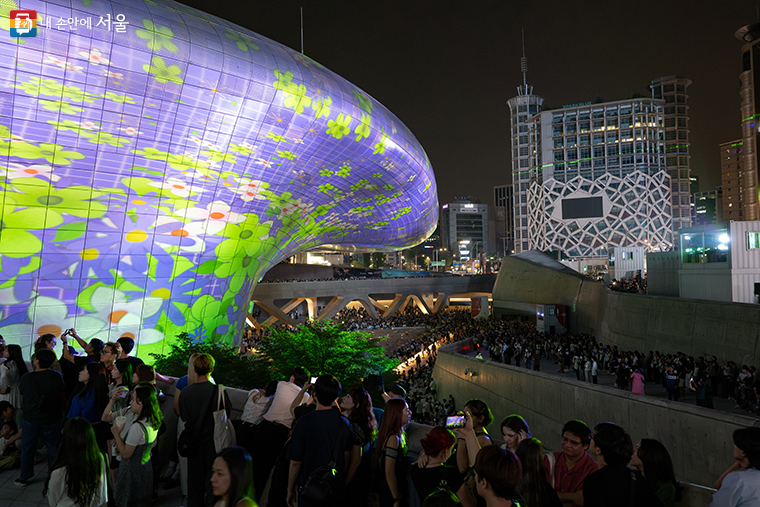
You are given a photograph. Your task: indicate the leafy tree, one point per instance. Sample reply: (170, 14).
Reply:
(378, 260)
(230, 369)
(326, 347)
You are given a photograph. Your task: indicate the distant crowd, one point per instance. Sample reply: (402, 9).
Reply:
(106, 404)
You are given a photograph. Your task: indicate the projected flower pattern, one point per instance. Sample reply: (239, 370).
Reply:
(150, 178)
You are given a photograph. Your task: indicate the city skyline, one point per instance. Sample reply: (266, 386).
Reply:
(447, 70)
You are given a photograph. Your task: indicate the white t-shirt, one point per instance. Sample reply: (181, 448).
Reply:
(253, 410)
(58, 493)
(136, 435)
(279, 412)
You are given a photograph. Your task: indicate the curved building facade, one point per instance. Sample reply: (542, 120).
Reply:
(155, 161)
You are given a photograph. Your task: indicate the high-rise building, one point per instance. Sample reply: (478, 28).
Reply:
(503, 219)
(708, 207)
(521, 109)
(750, 101)
(673, 90)
(731, 180)
(598, 179)
(464, 229)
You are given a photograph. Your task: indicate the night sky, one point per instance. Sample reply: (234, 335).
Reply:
(447, 69)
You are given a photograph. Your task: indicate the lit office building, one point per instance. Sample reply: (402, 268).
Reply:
(521, 108)
(749, 34)
(464, 229)
(503, 220)
(597, 179)
(673, 90)
(731, 180)
(708, 207)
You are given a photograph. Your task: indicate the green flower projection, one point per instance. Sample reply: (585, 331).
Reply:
(150, 176)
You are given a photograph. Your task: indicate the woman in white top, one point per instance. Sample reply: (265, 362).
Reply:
(79, 475)
(134, 482)
(10, 374)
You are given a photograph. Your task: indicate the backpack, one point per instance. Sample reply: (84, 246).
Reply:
(319, 484)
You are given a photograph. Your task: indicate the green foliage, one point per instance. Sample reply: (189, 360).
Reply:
(230, 370)
(326, 347)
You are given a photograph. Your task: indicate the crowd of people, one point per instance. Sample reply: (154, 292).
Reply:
(628, 285)
(321, 448)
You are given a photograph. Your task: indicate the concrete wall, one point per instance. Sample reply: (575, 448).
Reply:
(633, 321)
(699, 440)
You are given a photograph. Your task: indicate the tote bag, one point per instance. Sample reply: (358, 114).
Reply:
(224, 432)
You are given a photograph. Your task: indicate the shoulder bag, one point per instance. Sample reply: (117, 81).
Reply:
(224, 432)
(319, 484)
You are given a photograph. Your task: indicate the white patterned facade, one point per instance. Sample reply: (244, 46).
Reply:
(635, 211)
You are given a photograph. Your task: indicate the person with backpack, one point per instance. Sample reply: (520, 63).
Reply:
(318, 447)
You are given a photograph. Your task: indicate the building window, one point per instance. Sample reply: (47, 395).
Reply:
(708, 247)
(558, 143)
(583, 140)
(753, 240)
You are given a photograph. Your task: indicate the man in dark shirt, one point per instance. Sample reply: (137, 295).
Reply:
(196, 407)
(313, 442)
(127, 344)
(615, 483)
(42, 395)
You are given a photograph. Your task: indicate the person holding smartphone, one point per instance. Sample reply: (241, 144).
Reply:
(433, 472)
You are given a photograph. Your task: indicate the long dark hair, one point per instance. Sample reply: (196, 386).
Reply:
(14, 354)
(42, 341)
(79, 454)
(362, 413)
(391, 425)
(241, 474)
(658, 467)
(146, 394)
(125, 368)
(533, 486)
(97, 384)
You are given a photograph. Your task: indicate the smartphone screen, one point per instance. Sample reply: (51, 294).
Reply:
(313, 380)
(455, 421)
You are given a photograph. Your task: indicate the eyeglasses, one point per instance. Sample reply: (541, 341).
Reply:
(574, 443)
(105, 352)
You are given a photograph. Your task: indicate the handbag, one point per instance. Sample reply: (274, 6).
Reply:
(318, 485)
(224, 431)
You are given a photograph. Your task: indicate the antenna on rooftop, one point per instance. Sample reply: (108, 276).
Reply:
(524, 62)
(302, 29)
(524, 89)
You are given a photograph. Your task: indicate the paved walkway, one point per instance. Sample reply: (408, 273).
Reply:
(650, 389)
